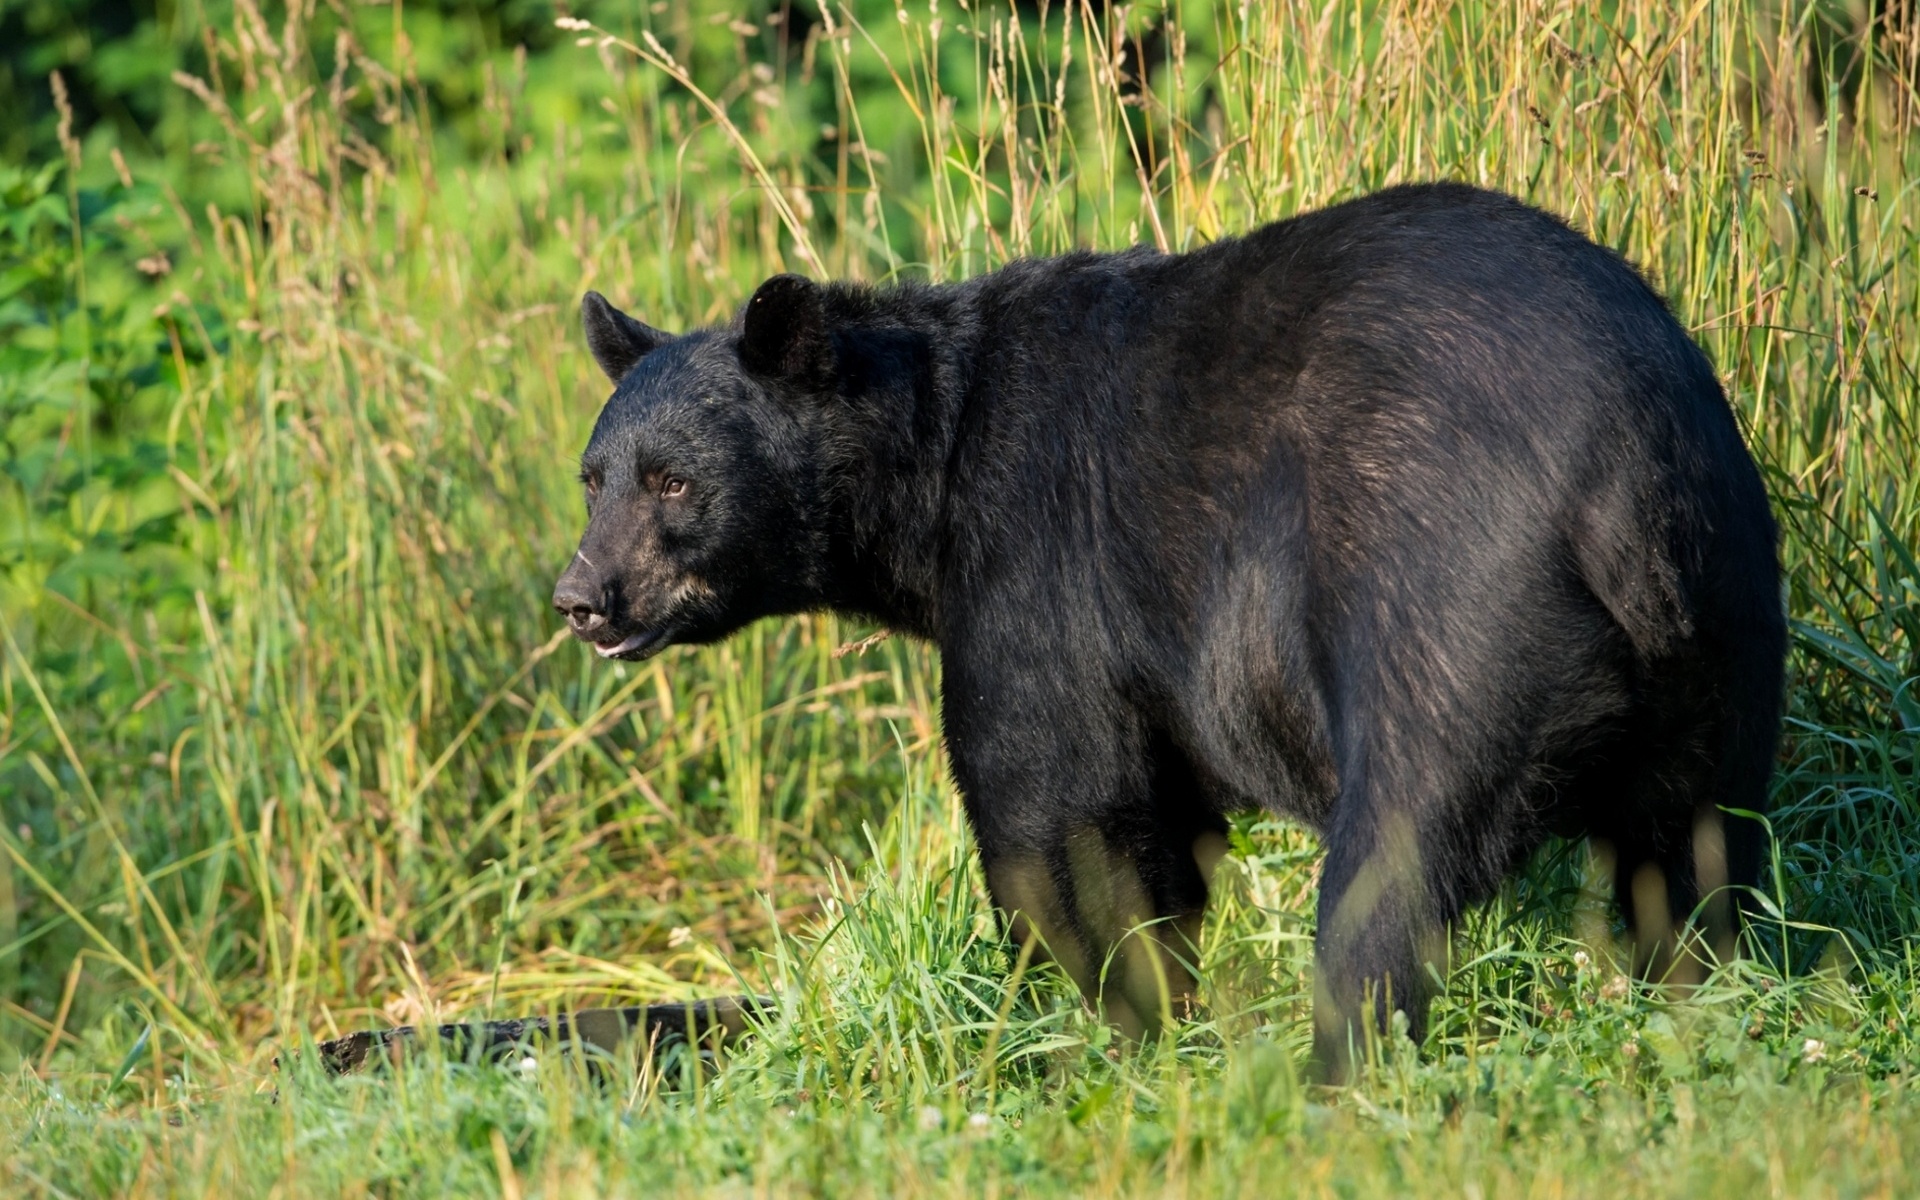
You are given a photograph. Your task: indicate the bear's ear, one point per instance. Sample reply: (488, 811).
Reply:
(616, 339)
(784, 332)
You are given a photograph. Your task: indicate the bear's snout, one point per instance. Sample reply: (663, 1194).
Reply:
(623, 612)
(580, 599)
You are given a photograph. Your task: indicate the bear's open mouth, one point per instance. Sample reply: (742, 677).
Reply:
(635, 646)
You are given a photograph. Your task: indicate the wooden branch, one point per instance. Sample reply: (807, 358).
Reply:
(645, 1028)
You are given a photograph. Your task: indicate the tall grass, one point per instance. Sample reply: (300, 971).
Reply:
(350, 771)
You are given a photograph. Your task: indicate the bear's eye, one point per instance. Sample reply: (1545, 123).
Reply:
(673, 486)
(592, 483)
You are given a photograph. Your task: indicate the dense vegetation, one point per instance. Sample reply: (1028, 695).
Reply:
(290, 390)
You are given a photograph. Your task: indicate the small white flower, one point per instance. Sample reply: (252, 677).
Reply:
(1580, 960)
(930, 1118)
(678, 937)
(978, 1124)
(1813, 1050)
(572, 24)
(527, 1065)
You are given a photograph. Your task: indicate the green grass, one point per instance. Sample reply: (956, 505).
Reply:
(289, 745)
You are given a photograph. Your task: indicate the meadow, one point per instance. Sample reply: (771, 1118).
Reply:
(291, 393)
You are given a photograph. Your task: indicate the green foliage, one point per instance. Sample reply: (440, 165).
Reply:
(289, 390)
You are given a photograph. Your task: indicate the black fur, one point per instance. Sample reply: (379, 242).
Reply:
(1418, 519)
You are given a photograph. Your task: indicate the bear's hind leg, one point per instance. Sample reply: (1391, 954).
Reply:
(1685, 878)
(1380, 924)
(1394, 880)
(1657, 887)
(1686, 864)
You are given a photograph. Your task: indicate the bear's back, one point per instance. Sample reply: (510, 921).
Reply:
(1430, 397)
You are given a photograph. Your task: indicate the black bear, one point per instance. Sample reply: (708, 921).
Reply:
(1418, 519)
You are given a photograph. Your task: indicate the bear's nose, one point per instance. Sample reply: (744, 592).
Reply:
(581, 602)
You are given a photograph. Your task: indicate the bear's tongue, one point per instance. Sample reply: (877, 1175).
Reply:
(633, 643)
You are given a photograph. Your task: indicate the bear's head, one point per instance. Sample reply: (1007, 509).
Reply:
(702, 475)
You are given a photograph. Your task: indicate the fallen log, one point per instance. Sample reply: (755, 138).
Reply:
(647, 1028)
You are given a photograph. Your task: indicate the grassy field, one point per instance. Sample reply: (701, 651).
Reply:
(290, 744)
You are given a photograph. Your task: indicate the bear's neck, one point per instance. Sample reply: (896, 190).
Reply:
(905, 355)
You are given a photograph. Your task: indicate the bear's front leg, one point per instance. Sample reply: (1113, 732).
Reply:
(1094, 847)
